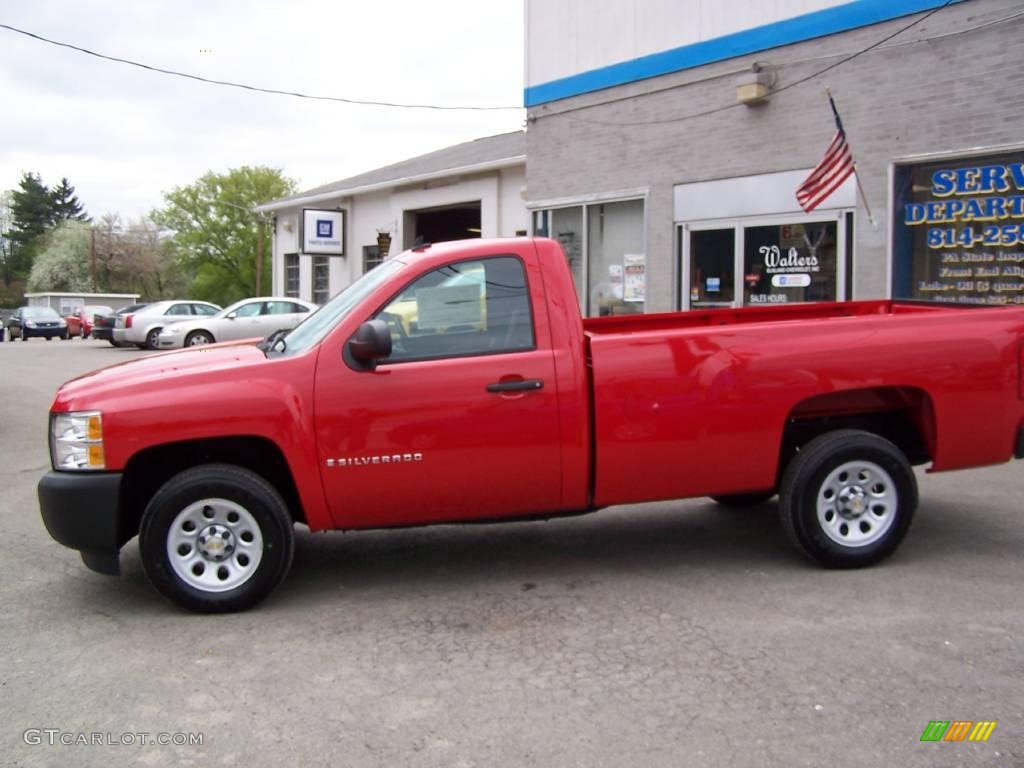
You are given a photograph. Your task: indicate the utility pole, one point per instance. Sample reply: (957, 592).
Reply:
(259, 256)
(92, 256)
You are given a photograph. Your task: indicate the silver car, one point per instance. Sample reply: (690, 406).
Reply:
(246, 319)
(143, 328)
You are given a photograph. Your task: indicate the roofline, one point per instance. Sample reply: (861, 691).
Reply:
(489, 165)
(77, 295)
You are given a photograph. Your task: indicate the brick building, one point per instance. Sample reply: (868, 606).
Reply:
(660, 206)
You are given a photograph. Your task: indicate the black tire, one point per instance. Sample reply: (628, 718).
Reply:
(49, 338)
(226, 484)
(190, 339)
(740, 500)
(65, 336)
(152, 339)
(872, 509)
(24, 337)
(113, 343)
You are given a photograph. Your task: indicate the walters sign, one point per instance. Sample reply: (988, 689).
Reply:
(958, 230)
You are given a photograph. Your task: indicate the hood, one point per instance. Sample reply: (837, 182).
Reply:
(156, 372)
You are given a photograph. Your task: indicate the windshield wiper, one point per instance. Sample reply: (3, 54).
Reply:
(277, 337)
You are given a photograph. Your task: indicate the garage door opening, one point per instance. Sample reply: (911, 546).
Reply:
(436, 225)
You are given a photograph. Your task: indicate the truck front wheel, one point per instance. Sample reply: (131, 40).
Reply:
(847, 498)
(216, 538)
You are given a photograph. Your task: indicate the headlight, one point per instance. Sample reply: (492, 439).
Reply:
(30, 323)
(76, 440)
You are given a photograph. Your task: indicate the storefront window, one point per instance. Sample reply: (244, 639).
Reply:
(604, 245)
(616, 259)
(790, 263)
(957, 231)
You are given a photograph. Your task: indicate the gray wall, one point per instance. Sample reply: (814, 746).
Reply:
(952, 93)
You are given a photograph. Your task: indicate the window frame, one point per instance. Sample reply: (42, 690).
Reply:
(484, 353)
(323, 262)
(287, 277)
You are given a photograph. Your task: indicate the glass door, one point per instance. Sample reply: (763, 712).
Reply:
(710, 274)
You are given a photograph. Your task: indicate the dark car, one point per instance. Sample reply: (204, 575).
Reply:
(36, 321)
(103, 325)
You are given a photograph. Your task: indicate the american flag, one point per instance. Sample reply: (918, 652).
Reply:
(835, 168)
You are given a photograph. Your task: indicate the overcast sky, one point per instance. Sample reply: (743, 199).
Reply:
(124, 135)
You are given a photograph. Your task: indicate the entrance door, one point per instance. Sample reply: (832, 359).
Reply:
(461, 421)
(711, 255)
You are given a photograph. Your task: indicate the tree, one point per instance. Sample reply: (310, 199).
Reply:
(63, 261)
(216, 230)
(137, 258)
(64, 203)
(31, 214)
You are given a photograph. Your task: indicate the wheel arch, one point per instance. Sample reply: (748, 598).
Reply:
(146, 471)
(903, 415)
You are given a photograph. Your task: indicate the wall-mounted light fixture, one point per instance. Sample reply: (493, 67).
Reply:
(754, 87)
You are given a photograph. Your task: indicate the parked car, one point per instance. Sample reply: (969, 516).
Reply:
(142, 328)
(36, 321)
(80, 323)
(212, 455)
(245, 319)
(103, 325)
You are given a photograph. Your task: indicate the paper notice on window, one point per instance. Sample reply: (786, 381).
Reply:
(634, 269)
(449, 305)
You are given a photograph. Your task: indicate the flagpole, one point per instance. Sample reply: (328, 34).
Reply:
(856, 175)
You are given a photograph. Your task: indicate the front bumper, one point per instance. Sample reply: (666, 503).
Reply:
(52, 331)
(81, 511)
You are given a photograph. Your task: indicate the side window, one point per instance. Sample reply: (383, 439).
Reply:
(277, 308)
(466, 308)
(203, 310)
(178, 309)
(249, 310)
(297, 309)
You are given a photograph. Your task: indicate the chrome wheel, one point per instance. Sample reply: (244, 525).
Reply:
(857, 503)
(214, 545)
(197, 339)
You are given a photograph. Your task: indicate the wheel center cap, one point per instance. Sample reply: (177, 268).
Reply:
(215, 542)
(853, 502)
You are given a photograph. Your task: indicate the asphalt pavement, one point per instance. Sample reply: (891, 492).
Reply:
(668, 634)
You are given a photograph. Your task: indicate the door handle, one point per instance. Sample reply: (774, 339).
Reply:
(515, 386)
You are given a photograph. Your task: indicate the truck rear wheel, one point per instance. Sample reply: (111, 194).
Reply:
(847, 498)
(216, 538)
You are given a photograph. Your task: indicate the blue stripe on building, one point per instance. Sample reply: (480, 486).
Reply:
(860, 13)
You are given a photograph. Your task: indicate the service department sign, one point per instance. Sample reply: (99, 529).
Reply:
(323, 232)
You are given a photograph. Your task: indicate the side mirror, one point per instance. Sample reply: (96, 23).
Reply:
(371, 342)
(232, 315)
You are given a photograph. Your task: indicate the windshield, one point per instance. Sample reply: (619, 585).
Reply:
(40, 313)
(317, 325)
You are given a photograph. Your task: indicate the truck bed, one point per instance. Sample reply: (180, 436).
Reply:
(698, 403)
(715, 317)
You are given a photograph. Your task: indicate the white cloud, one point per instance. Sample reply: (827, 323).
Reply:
(123, 135)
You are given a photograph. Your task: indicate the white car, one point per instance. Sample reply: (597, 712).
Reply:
(142, 328)
(246, 319)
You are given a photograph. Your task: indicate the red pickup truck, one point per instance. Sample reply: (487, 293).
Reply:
(458, 383)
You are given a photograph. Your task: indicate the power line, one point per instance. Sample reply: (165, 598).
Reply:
(734, 105)
(258, 89)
